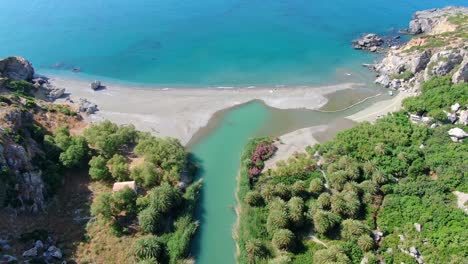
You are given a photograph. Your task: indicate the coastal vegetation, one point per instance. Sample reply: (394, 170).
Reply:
(376, 191)
(155, 219)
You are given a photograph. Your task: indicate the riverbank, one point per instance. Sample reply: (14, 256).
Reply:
(298, 140)
(180, 113)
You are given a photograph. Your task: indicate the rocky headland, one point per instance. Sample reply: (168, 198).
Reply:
(439, 48)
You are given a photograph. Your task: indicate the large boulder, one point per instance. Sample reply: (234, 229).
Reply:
(457, 134)
(86, 106)
(463, 118)
(16, 68)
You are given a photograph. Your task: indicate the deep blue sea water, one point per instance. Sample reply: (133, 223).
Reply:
(203, 42)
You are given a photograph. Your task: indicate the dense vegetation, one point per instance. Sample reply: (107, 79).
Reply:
(163, 206)
(156, 218)
(360, 195)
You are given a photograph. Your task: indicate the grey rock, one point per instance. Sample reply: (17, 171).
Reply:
(16, 68)
(463, 118)
(434, 125)
(30, 253)
(414, 251)
(452, 117)
(419, 61)
(38, 244)
(415, 118)
(86, 106)
(455, 107)
(418, 227)
(402, 237)
(368, 42)
(461, 75)
(54, 252)
(383, 80)
(442, 63)
(8, 259)
(96, 85)
(457, 133)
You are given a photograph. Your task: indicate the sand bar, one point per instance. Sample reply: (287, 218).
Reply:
(181, 112)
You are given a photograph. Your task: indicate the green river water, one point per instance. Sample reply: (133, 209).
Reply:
(217, 152)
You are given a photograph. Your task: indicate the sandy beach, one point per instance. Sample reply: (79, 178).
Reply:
(181, 112)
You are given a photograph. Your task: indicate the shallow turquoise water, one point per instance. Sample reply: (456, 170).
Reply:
(218, 154)
(205, 42)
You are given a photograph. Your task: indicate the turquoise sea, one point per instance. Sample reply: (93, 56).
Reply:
(208, 43)
(204, 42)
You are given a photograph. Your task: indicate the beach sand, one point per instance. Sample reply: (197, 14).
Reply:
(181, 112)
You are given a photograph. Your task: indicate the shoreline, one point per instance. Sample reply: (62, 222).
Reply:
(182, 112)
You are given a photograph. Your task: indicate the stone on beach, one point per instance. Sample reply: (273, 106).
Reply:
(86, 106)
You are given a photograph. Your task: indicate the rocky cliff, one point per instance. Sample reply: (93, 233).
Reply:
(24, 120)
(439, 48)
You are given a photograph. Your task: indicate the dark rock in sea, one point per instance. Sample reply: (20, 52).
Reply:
(76, 69)
(370, 42)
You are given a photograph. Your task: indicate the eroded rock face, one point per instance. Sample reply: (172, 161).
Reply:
(425, 21)
(461, 75)
(442, 63)
(16, 68)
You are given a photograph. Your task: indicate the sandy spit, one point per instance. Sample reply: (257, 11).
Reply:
(181, 112)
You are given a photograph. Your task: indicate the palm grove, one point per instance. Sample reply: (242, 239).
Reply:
(359, 196)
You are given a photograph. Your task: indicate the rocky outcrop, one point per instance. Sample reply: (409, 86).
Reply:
(370, 42)
(86, 106)
(407, 67)
(442, 63)
(425, 21)
(16, 68)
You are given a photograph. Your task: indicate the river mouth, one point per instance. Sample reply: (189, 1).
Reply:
(216, 149)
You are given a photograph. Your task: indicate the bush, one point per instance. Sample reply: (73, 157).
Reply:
(146, 175)
(75, 154)
(118, 167)
(98, 168)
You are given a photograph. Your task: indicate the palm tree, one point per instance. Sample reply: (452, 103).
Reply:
(296, 211)
(148, 247)
(353, 229)
(298, 188)
(380, 149)
(369, 167)
(165, 197)
(316, 186)
(283, 239)
(366, 243)
(379, 177)
(255, 250)
(333, 254)
(324, 221)
(282, 191)
(268, 192)
(324, 201)
(253, 198)
(277, 219)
